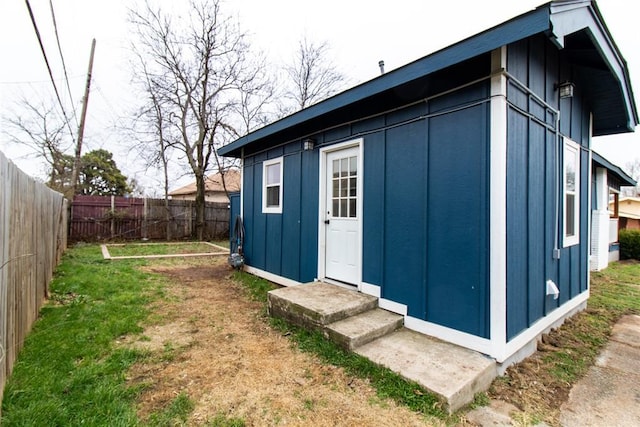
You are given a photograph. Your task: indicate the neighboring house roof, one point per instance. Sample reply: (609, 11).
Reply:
(213, 183)
(629, 207)
(616, 171)
(590, 44)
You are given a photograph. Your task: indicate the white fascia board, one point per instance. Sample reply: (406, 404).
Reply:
(570, 17)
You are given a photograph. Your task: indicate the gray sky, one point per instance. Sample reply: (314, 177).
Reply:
(360, 32)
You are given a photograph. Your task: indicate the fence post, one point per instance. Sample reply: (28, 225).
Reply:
(113, 216)
(190, 222)
(144, 220)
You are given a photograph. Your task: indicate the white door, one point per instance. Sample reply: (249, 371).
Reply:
(341, 216)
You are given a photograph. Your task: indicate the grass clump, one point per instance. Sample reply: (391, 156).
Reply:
(222, 421)
(70, 371)
(175, 414)
(258, 288)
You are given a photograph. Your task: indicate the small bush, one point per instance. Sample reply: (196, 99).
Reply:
(629, 244)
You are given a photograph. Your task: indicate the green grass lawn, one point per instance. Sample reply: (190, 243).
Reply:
(142, 249)
(72, 371)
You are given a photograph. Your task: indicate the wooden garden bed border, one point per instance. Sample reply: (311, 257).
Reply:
(107, 255)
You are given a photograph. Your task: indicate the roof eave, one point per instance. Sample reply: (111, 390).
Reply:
(564, 22)
(615, 169)
(528, 24)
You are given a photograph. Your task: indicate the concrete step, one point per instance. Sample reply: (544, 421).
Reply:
(317, 304)
(453, 373)
(363, 328)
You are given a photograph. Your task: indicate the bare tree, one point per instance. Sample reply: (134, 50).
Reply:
(197, 64)
(151, 130)
(42, 129)
(313, 76)
(633, 169)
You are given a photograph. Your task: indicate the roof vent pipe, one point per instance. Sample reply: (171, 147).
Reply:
(381, 65)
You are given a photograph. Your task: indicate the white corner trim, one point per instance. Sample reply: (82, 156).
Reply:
(543, 324)
(241, 183)
(283, 281)
(498, 205)
(392, 306)
(369, 289)
(453, 336)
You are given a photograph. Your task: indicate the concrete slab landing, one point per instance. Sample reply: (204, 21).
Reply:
(317, 304)
(452, 372)
(352, 320)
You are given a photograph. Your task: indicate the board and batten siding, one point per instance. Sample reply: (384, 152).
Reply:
(425, 220)
(533, 191)
(284, 244)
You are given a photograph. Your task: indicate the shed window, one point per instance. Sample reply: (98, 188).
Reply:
(272, 186)
(571, 173)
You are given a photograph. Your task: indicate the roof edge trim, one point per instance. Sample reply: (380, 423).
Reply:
(568, 17)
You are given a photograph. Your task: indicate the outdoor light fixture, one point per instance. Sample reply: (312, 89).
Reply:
(565, 89)
(308, 144)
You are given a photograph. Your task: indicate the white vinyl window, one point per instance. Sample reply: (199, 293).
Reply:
(272, 186)
(571, 192)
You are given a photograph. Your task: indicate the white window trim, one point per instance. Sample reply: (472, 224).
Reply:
(265, 208)
(575, 239)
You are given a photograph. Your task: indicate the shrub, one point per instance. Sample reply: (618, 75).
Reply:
(629, 244)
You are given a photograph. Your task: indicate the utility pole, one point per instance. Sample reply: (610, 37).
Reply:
(76, 161)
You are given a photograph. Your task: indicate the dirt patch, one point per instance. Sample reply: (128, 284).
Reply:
(213, 343)
(532, 386)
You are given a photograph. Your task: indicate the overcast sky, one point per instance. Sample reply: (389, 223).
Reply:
(360, 32)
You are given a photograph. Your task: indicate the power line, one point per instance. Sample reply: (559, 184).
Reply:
(29, 82)
(46, 60)
(64, 67)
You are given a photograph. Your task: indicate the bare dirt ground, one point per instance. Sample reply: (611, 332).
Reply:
(210, 341)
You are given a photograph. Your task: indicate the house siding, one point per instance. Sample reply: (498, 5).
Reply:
(532, 192)
(425, 204)
(284, 244)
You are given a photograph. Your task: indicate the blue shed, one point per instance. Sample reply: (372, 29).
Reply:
(456, 188)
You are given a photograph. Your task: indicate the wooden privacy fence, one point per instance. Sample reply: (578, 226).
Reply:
(33, 235)
(99, 218)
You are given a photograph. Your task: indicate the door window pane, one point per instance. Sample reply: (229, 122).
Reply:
(344, 187)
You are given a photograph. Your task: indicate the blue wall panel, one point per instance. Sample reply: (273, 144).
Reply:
(536, 227)
(404, 216)
(373, 207)
(291, 220)
(259, 220)
(457, 221)
(247, 216)
(309, 217)
(273, 233)
(517, 230)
